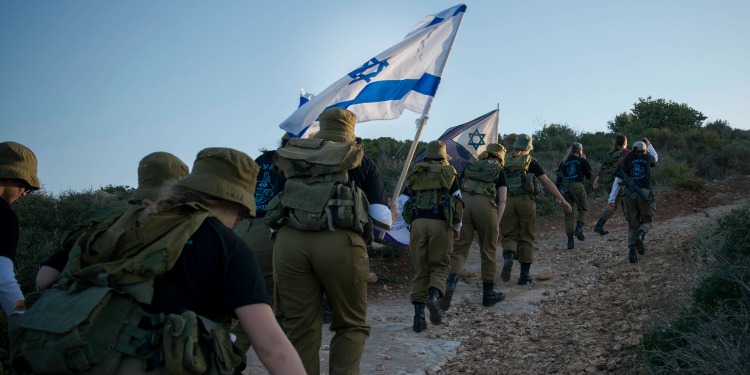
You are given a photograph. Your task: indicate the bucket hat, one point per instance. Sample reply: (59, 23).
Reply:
(154, 171)
(436, 150)
(19, 162)
(523, 142)
(337, 125)
(497, 150)
(224, 173)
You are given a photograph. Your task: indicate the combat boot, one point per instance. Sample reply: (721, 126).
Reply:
(632, 257)
(579, 231)
(599, 228)
(640, 243)
(420, 323)
(490, 296)
(571, 244)
(507, 265)
(433, 296)
(450, 287)
(525, 278)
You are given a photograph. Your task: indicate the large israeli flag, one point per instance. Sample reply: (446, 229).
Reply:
(405, 76)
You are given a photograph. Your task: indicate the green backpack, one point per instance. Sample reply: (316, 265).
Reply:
(93, 316)
(517, 177)
(480, 177)
(318, 194)
(607, 175)
(430, 184)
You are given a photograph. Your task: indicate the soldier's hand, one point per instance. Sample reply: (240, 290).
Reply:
(645, 140)
(456, 235)
(611, 206)
(568, 207)
(596, 185)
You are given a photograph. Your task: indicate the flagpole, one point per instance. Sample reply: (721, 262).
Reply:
(420, 124)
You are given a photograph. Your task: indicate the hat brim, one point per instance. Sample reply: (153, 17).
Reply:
(217, 187)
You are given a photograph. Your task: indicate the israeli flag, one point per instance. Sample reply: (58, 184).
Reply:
(405, 76)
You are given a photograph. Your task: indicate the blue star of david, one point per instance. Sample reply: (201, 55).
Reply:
(359, 73)
(471, 139)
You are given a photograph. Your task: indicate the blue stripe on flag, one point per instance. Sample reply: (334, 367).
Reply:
(393, 90)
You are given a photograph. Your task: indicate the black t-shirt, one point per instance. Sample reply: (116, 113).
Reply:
(638, 166)
(269, 183)
(536, 168)
(215, 274)
(9, 231)
(575, 168)
(367, 177)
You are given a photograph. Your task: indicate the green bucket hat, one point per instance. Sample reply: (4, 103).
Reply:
(523, 142)
(154, 171)
(337, 125)
(18, 162)
(224, 173)
(497, 150)
(436, 150)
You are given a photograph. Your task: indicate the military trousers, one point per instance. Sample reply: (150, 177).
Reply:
(306, 265)
(258, 236)
(607, 213)
(580, 209)
(518, 226)
(430, 246)
(480, 216)
(640, 215)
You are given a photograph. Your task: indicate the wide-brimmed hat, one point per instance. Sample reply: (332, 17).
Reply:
(497, 150)
(224, 173)
(436, 150)
(337, 125)
(523, 142)
(19, 162)
(154, 171)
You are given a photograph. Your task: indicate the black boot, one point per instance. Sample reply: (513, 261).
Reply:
(490, 296)
(599, 228)
(640, 243)
(579, 231)
(571, 244)
(420, 323)
(525, 278)
(436, 317)
(507, 266)
(450, 287)
(632, 257)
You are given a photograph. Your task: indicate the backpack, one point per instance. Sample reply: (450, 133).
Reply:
(430, 184)
(318, 194)
(480, 177)
(517, 177)
(607, 175)
(93, 316)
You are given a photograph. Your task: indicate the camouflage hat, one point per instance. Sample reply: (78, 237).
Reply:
(154, 171)
(497, 150)
(639, 146)
(436, 150)
(337, 125)
(18, 162)
(523, 142)
(224, 173)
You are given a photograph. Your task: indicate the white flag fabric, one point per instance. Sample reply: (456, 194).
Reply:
(405, 76)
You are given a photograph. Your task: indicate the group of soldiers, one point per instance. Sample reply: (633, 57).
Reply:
(239, 251)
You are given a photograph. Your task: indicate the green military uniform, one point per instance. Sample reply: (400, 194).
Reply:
(258, 236)
(639, 208)
(570, 176)
(606, 177)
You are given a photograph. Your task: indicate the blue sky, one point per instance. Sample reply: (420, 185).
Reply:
(93, 86)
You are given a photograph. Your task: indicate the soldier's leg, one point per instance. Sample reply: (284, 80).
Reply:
(418, 242)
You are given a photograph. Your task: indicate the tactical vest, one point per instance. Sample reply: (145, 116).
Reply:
(318, 194)
(93, 316)
(480, 177)
(430, 185)
(607, 175)
(517, 177)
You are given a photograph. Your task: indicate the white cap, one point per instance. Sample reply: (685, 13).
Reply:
(639, 146)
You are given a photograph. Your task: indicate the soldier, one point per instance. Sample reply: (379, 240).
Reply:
(323, 229)
(484, 190)
(434, 212)
(570, 175)
(18, 177)
(606, 176)
(634, 174)
(156, 171)
(523, 174)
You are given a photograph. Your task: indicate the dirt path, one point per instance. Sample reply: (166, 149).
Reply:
(585, 312)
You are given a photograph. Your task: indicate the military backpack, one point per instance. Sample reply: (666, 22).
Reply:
(518, 178)
(480, 177)
(607, 175)
(430, 184)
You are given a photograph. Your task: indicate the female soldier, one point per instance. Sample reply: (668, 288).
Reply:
(570, 175)
(606, 176)
(519, 219)
(484, 190)
(634, 173)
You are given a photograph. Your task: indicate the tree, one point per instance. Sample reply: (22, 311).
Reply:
(649, 114)
(554, 137)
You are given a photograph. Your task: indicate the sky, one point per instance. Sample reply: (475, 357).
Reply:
(93, 86)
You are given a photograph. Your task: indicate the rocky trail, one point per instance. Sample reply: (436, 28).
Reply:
(585, 312)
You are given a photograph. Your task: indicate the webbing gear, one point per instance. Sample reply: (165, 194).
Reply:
(517, 177)
(430, 183)
(480, 177)
(607, 175)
